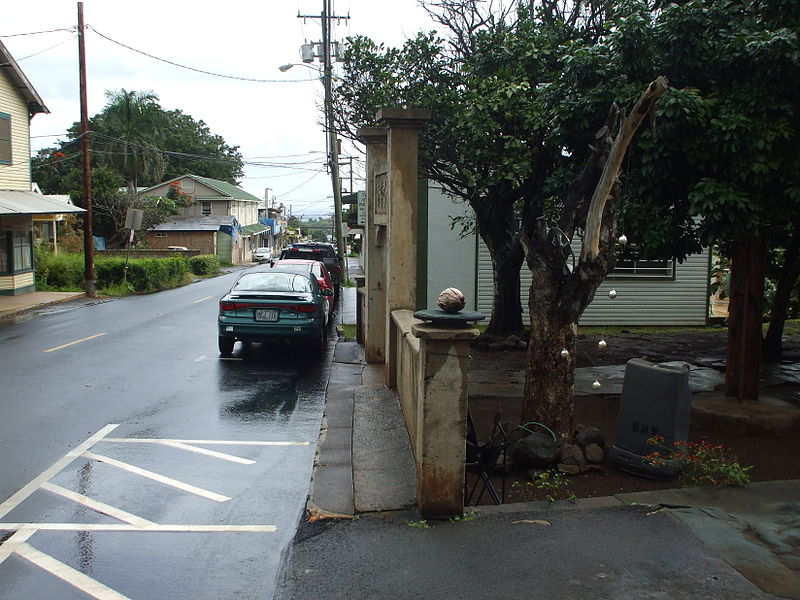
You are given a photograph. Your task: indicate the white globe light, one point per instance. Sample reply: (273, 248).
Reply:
(564, 353)
(596, 385)
(612, 294)
(601, 344)
(623, 239)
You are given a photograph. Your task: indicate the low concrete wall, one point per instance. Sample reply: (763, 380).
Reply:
(429, 368)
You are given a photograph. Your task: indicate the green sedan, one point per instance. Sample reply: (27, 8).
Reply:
(273, 305)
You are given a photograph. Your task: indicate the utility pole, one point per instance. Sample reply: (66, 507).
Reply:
(330, 125)
(88, 239)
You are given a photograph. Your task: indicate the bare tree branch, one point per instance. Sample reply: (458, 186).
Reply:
(591, 240)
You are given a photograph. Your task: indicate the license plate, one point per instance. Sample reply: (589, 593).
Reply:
(266, 314)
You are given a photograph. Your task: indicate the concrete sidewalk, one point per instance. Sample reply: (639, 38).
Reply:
(14, 305)
(362, 538)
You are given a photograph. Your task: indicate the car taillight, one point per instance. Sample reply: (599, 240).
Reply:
(306, 308)
(227, 306)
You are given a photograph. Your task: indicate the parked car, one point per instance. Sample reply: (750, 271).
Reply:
(262, 255)
(317, 251)
(316, 268)
(273, 304)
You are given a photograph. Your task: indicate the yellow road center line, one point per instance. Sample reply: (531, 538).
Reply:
(96, 505)
(180, 485)
(203, 299)
(86, 339)
(75, 578)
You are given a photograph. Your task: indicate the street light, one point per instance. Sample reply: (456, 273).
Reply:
(284, 68)
(326, 74)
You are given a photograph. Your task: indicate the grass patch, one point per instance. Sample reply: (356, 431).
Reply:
(349, 331)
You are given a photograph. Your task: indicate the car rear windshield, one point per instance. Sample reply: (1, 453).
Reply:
(273, 282)
(309, 253)
(294, 268)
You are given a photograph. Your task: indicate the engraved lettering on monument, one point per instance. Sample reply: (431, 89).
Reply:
(381, 198)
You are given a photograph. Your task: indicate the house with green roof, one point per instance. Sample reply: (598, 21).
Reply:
(215, 217)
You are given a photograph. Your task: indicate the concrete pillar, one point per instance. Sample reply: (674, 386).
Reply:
(402, 152)
(375, 317)
(440, 445)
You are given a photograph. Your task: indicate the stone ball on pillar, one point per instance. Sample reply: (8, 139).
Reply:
(451, 300)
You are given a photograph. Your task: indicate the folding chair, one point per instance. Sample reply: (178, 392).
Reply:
(481, 460)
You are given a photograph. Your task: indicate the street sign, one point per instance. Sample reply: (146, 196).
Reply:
(133, 218)
(362, 208)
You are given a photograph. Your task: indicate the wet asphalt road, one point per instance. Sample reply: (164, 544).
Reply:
(220, 443)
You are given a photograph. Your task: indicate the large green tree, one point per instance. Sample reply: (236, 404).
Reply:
(128, 135)
(521, 131)
(724, 164)
(499, 132)
(134, 142)
(145, 144)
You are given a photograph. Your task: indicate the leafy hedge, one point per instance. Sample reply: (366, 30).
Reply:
(66, 272)
(204, 264)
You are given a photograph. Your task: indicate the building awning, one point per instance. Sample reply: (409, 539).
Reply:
(254, 229)
(16, 202)
(209, 223)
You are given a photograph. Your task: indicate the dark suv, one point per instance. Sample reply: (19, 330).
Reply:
(317, 251)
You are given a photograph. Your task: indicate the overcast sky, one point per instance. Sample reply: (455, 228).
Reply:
(272, 122)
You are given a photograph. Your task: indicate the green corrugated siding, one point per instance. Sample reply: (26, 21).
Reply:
(679, 301)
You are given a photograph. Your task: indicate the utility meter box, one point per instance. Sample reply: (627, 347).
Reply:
(656, 400)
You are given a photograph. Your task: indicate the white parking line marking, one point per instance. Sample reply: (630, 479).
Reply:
(116, 527)
(186, 487)
(75, 578)
(182, 445)
(21, 536)
(86, 339)
(204, 442)
(45, 475)
(207, 452)
(96, 505)
(202, 299)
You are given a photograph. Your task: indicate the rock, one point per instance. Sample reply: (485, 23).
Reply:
(572, 455)
(590, 435)
(594, 454)
(511, 342)
(523, 345)
(451, 300)
(535, 451)
(592, 467)
(569, 469)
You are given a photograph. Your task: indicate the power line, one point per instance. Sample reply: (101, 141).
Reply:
(73, 29)
(174, 64)
(69, 39)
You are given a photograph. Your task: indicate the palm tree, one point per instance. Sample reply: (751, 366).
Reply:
(129, 131)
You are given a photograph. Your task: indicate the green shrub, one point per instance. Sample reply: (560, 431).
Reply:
(153, 274)
(204, 264)
(59, 271)
(65, 272)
